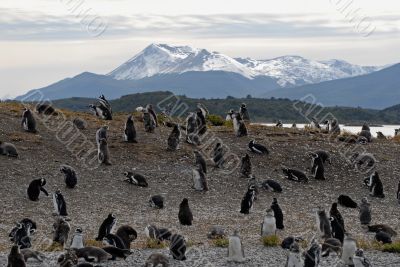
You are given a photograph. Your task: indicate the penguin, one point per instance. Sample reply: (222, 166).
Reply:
(268, 226)
(60, 205)
(278, 214)
(174, 138)
(235, 248)
(271, 185)
(360, 260)
(70, 176)
(185, 215)
(164, 234)
(177, 247)
(398, 192)
(248, 200)
(20, 235)
(334, 127)
(28, 253)
(288, 241)
(349, 249)
(28, 121)
(365, 211)
(91, 254)
(216, 232)
(151, 232)
(61, 229)
(156, 201)
(157, 259)
(238, 125)
(294, 126)
(279, 124)
(35, 187)
(116, 252)
(15, 258)
(244, 113)
(253, 184)
(318, 169)
(46, 109)
(101, 133)
(380, 135)
(102, 109)
(382, 227)
(199, 180)
(314, 124)
(337, 229)
(114, 240)
(363, 159)
(347, 202)
(334, 212)
(102, 99)
(77, 239)
(192, 136)
(323, 224)
(365, 127)
(295, 175)
(8, 149)
(136, 179)
(246, 167)
(313, 255)
(383, 237)
(366, 134)
(106, 227)
(375, 186)
(294, 258)
(152, 113)
(201, 120)
(29, 228)
(257, 148)
(130, 130)
(69, 259)
(324, 155)
(199, 161)
(127, 234)
(80, 123)
(218, 155)
(149, 122)
(331, 245)
(103, 152)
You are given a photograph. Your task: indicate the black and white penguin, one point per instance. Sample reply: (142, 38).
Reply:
(268, 226)
(295, 175)
(380, 135)
(248, 200)
(349, 249)
(333, 126)
(174, 138)
(101, 133)
(157, 201)
(185, 215)
(130, 130)
(114, 240)
(365, 211)
(60, 205)
(294, 258)
(383, 237)
(148, 121)
(218, 155)
(347, 202)
(314, 124)
(117, 253)
(152, 113)
(199, 161)
(20, 235)
(246, 167)
(102, 109)
(288, 241)
(28, 121)
(337, 229)
(77, 239)
(375, 185)
(279, 124)
(334, 212)
(363, 159)
(331, 245)
(244, 113)
(136, 179)
(313, 255)
(229, 115)
(199, 180)
(177, 247)
(106, 227)
(46, 109)
(323, 223)
(70, 177)
(151, 231)
(35, 187)
(271, 185)
(127, 234)
(366, 134)
(29, 225)
(278, 214)
(318, 169)
(8, 149)
(238, 125)
(201, 121)
(257, 148)
(235, 249)
(80, 123)
(324, 155)
(360, 260)
(192, 130)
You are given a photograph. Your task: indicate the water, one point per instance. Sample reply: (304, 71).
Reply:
(387, 130)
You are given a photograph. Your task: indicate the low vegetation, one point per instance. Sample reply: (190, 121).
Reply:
(271, 241)
(221, 242)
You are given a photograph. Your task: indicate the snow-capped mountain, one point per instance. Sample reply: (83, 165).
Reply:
(288, 71)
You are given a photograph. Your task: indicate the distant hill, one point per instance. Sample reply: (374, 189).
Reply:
(261, 110)
(377, 90)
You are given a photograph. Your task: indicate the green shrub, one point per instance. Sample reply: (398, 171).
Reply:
(392, 248)
(221, 242)
(228, 124)
(215, 120)
(271, 241)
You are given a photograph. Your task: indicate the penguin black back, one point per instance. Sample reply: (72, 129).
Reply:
(185, 214)
(278, 214)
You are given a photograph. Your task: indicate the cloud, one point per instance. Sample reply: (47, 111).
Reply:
(23, 26)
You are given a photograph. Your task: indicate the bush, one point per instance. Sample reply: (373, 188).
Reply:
(215, 120)
(392, 248)
(228, 124)
(221, 242)
(155, 244)
(271, 241)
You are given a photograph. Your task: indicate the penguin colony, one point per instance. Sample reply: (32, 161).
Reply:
(330, 227)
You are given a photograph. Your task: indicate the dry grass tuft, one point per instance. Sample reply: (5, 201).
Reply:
(93, 243)
(155, 244)
(221, 242)
(271, 241)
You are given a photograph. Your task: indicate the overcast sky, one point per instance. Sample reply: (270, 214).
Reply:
(44, 41)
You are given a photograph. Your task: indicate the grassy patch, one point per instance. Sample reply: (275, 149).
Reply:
(155, 244)
(392, 248)
(93, 243)
(221, 242)
(215, 120)
(271, 241)
(53, 247)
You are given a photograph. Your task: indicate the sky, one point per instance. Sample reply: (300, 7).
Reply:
(44, 41)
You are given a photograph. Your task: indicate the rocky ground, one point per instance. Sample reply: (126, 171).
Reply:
(101, 189)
